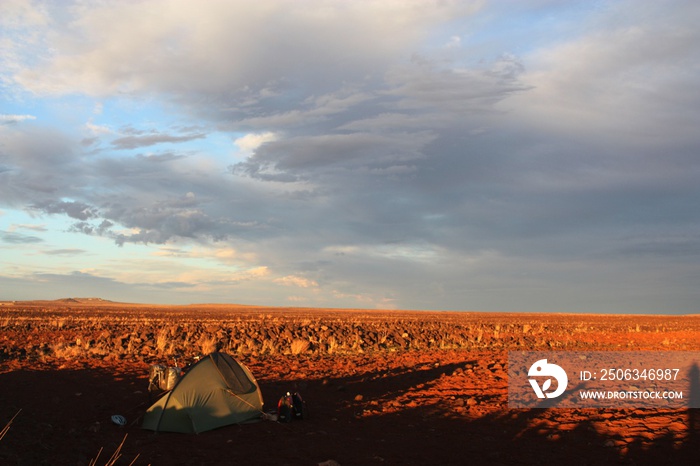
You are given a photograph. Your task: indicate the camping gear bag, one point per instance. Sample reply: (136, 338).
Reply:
(291, 406)
(163, 378)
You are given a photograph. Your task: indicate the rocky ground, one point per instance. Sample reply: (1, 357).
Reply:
(382, 387)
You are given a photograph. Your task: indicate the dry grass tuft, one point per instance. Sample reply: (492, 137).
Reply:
(332, 345)
(7, 426)
(115, 456)
(66, 351)
(162, 339)
(208, 344)
(300, 346)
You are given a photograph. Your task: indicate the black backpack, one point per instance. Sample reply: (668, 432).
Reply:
(291, 406)
(299, 406)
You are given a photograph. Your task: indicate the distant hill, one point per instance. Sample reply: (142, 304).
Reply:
(83, 300)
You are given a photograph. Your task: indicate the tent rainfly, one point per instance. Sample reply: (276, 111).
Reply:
(217, 391)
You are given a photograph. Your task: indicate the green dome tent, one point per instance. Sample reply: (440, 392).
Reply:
(217, 391)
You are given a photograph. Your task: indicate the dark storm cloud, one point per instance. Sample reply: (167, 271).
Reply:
(385, 134)
(159, 224)
(74, 209)
(315, 156)
(144, 193)
(156, 222)
(681, 247)
(102, 229)
(42, 165)
(425, 86)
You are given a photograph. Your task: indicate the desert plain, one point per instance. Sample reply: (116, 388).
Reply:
(382, 387)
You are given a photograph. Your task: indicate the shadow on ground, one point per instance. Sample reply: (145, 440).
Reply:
(65, 420)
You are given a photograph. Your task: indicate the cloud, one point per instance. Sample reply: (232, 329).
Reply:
(36, 161)
(133, 142)
(73, 209)
(306, 157)
(159, 226)
(454, 42)
(103, 229)
(19, 238)
(223, 43)
(12, 119)
(683, 247)
(17, 12)
(64, 252)
(423, 86)
(22, 226)
(251, 141)
(292, 280)
(632, 75)
(98, 129)
(160, 158)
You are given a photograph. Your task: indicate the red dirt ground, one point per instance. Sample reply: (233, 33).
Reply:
(405, 407)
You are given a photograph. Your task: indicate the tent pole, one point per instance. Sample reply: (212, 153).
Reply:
(244, 401)
(230, 392)
(165, 406)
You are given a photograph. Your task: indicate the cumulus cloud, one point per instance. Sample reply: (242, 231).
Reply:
(89, 229)
(251, 141)
(73, 209)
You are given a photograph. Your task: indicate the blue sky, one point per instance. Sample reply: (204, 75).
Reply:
(500, 156)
